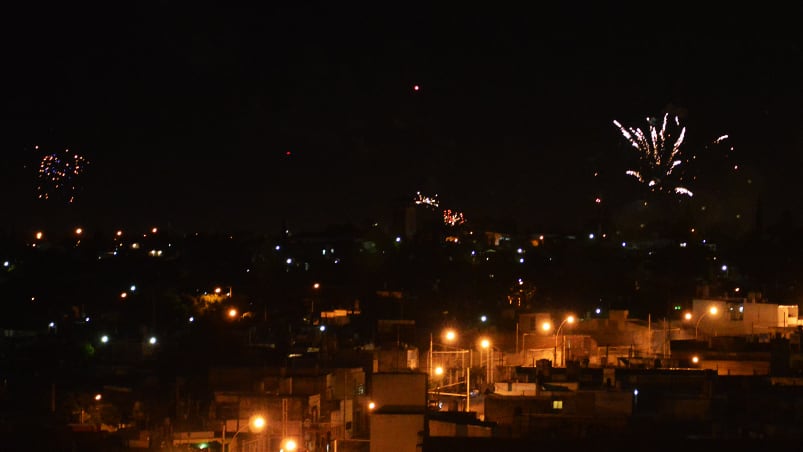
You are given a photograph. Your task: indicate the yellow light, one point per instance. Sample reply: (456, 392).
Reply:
(713, 310)
(316, 286)
(39, 235)
(570, 319)
(258, 423)
(123, 295)
(695, 359)
(371, 405)
(154, 230)
(119, 233)
(687, 316)
(98, 397)
(218, 289)
(289, 445)
(485, 343)
(450, 335)
(232, 313)
(439, 370)
(79, 231)
(546, 326)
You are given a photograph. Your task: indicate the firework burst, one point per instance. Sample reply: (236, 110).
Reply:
(58, 174)
(452, 218)
(420, 199)
(660, 159)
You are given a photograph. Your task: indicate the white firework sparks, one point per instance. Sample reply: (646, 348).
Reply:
(660, 157)
(426, 200)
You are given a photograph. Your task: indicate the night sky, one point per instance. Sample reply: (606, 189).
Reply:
(238, 118)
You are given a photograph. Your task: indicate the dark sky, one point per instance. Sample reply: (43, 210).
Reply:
(187, 111)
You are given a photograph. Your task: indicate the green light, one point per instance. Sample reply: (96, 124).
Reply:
(203, 446)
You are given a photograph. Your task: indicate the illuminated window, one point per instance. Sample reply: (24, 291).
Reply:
(557, 404)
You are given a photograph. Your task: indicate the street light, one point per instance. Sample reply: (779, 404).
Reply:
(712, 310)
(570, 320)
(486, 344)
(289, 444)
(256, 424)
(450, 335)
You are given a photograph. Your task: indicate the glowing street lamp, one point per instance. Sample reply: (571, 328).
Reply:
(486, 344)
(450, 335)
(569, 320)
(712, 310)
(289, 445)
(256, 424)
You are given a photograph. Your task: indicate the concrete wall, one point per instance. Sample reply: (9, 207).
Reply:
(396, 432)
(452, 429)
(399, 389)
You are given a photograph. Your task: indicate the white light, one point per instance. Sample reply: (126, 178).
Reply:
(6, 264)
(683, 244)
(152, 340)
(635, 392)
(192, 319)
(52, 324)
(591, 236)
(519, 250)
(724, 268)
(521, 260)
(322, 328)
(104, 339)
(277, 247)
(483, 318)
(86, 319)
(289, 261)
(133, 288)
(598, 310)
(398, 239)
(624, 244)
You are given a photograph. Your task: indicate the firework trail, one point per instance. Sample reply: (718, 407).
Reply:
(58, 174)
(660, 158)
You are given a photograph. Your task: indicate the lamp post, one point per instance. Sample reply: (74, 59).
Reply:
(256, 424)
(450, 335)
(712, 310)
(570, 320)
(486, 344)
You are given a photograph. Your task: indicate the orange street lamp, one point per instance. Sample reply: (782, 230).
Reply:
(256, 424)
(486, 344)
(569, 320)
(712, 310)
